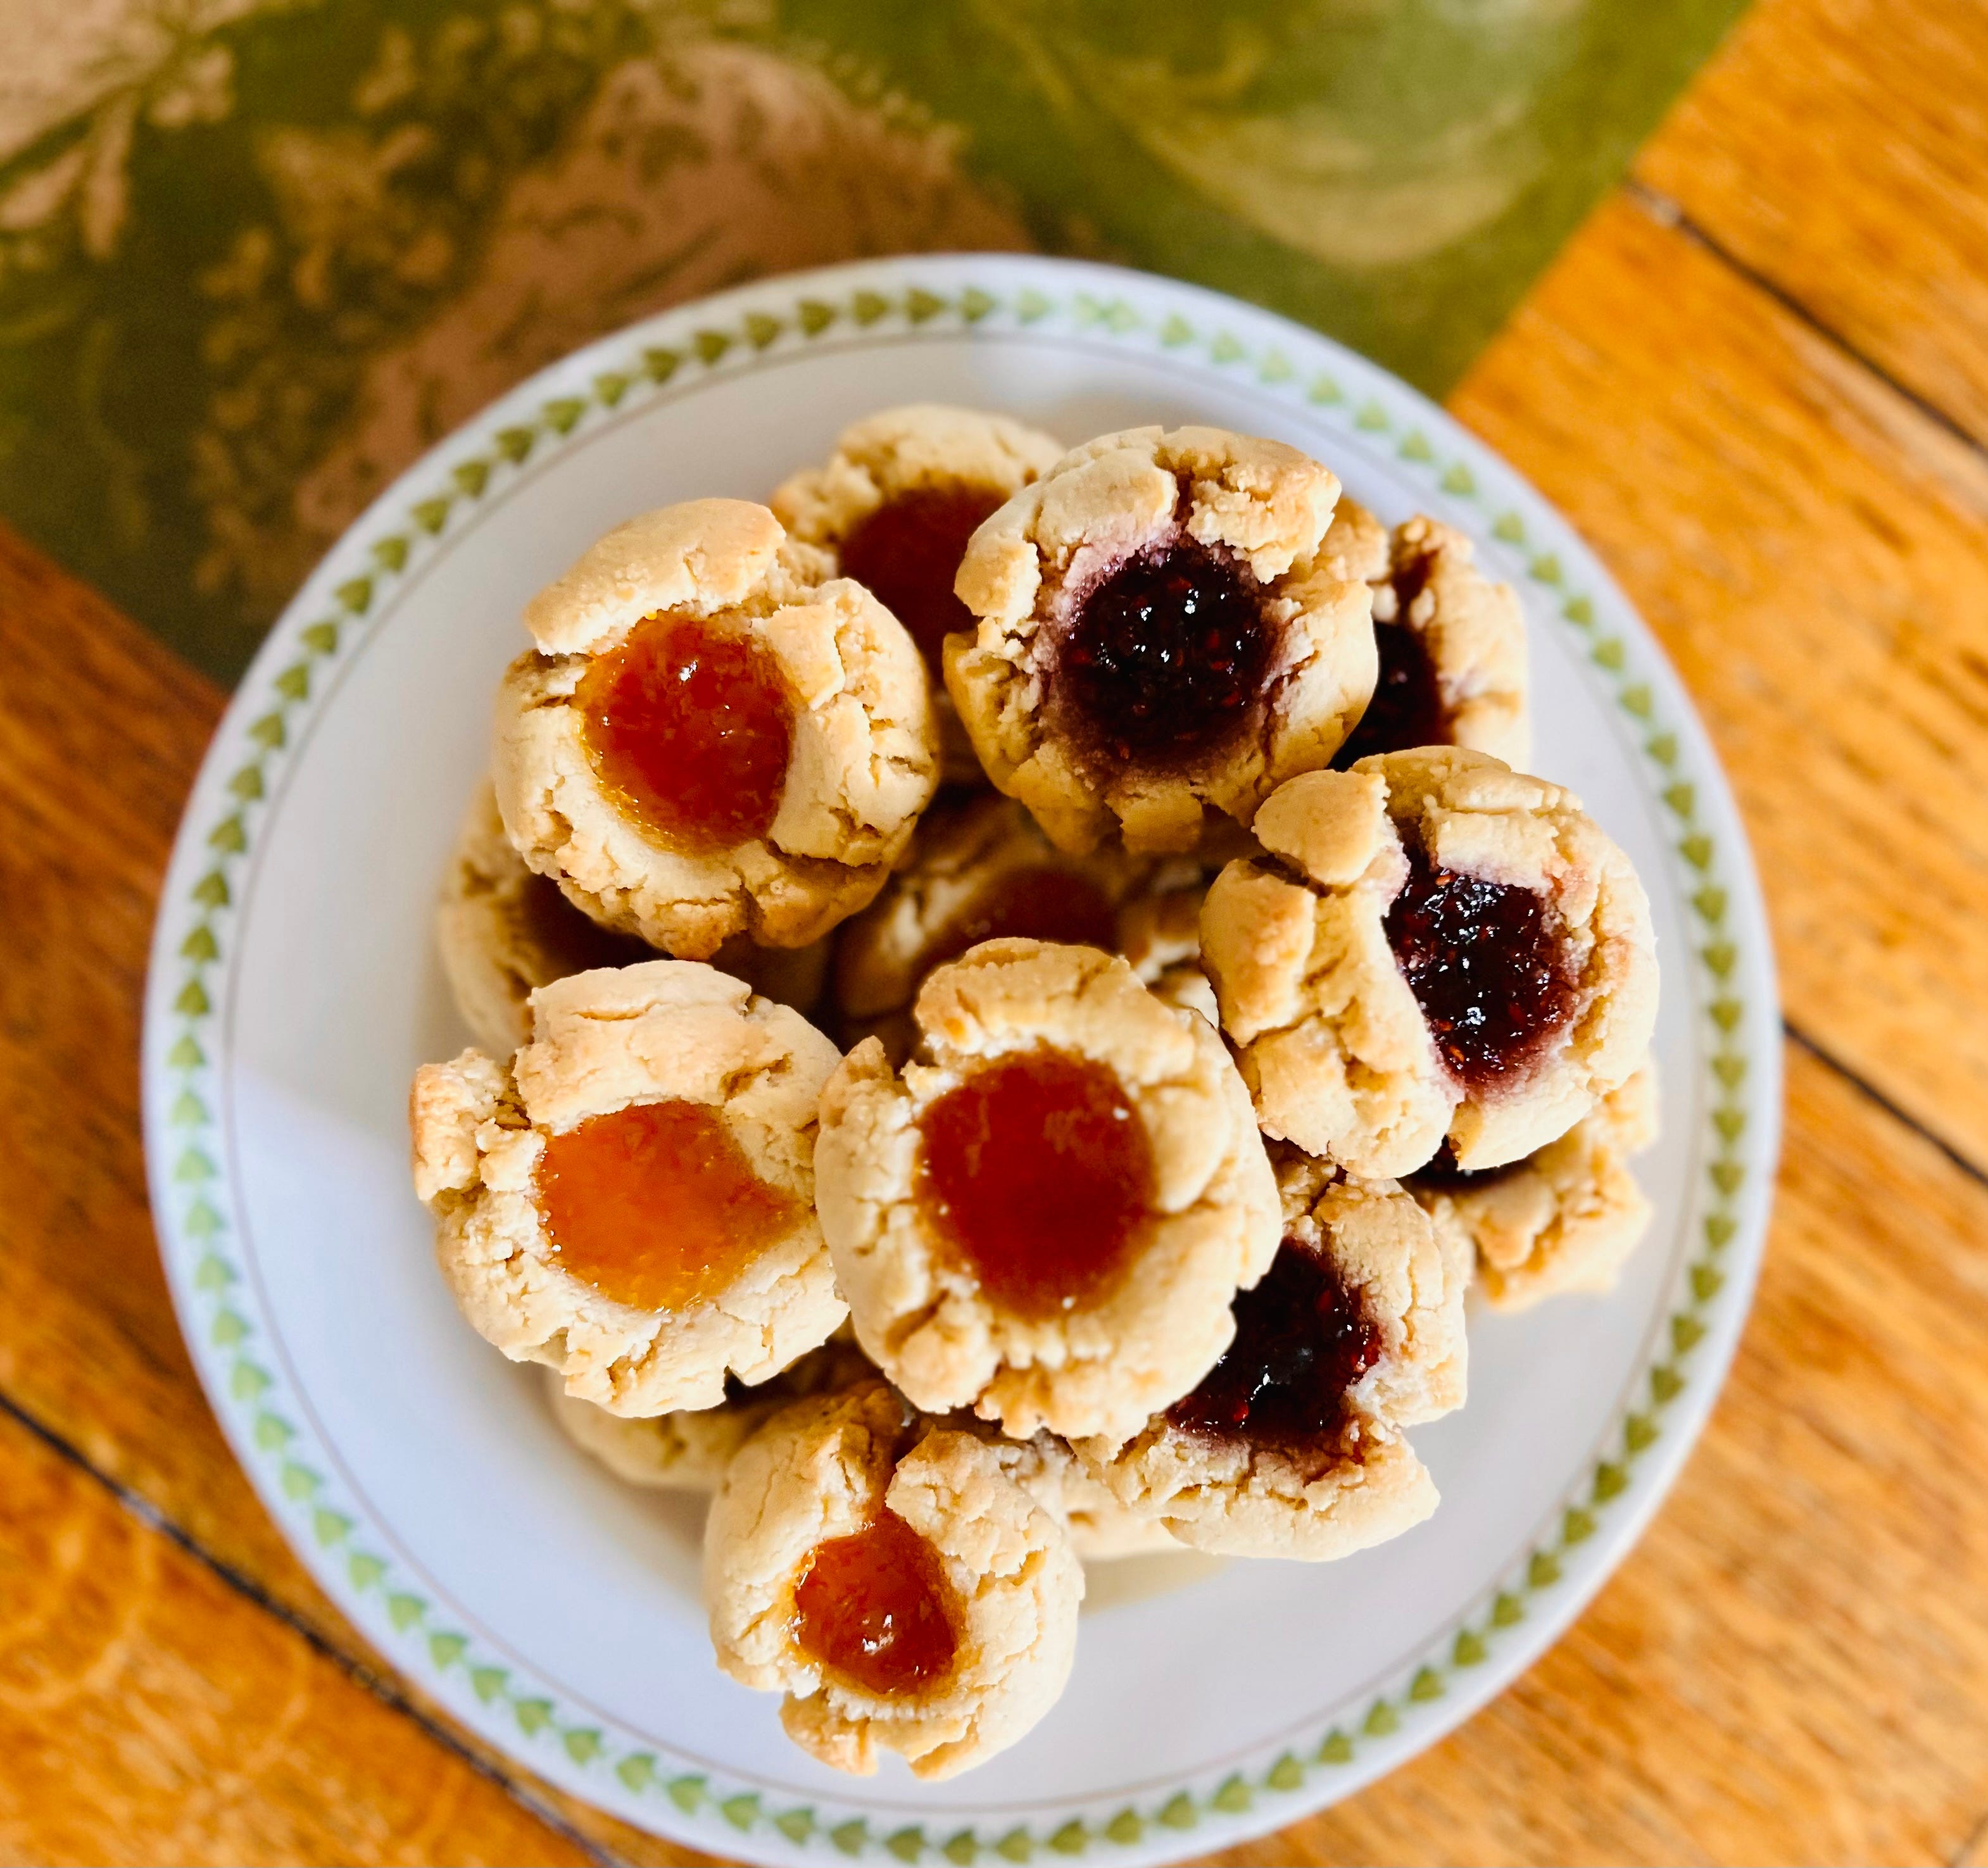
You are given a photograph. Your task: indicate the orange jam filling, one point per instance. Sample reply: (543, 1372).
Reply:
(1036, 904)
(1039, 1172)
(656, 1205)
(906, 553)
(873, 1608)
(689, 726)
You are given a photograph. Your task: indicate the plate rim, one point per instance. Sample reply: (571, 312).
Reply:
(1731, 974)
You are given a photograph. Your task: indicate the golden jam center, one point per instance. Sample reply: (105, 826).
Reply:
(874, 1608)
(656, 1205)
(1038, 1170)
(689, 725)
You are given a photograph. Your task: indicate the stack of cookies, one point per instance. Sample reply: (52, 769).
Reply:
(1015, 990)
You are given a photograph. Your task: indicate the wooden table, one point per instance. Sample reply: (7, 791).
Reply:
(1758, 381)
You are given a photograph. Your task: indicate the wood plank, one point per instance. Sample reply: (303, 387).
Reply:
(149, 1713)
(1786, 1669)
(1813, 552)
(100, 733)
(1794, 1666)
(1839, 147)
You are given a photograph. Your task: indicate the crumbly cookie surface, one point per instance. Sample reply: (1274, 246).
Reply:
(1411, 1289)
(1263, 508)
(503, 930)
(1330, 1038)
(1159, 934)
(663, 1031)
(862, 762)
(1355, 544)
(904, 450)
(1471, 634)
(1474, 632)
(688, 1450)
(970, 874)
(1045, 1466)
(821, 1469)
(1564, 1219)
(1323, 1498)
(919, 1311)
(922, 449)
(1472, 815)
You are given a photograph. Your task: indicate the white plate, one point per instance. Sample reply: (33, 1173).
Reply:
(294, 989)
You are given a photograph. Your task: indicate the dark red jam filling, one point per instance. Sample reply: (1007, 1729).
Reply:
(1302, 1340)
(1407, 708)
(907, 553)
(1167, 657)
(1486, 962)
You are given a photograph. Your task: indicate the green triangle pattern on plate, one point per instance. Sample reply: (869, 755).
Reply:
(402, 1616)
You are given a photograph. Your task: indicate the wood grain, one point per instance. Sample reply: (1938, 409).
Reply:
(149, 1713)
(1770, 1629)
(1839, 148)
(101, 732)
(1794, 1665)
(1813, 551)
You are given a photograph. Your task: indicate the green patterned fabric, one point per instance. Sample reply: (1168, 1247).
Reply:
(256, 254)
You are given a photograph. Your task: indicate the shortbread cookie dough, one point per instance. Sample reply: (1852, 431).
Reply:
(503, 930)
(1566, 1218)
(895, 504)
(1045, 1217)
(1355, 546)
(1156, 637)
(1159, 934)
(688, 1450)
(1293, 1446)
(1101, 1529)
(889, 1578)
(981, 870)
(1328, 1036)
(1452, 654)
(631, 1201)
(714, 735)
(1432, 945)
